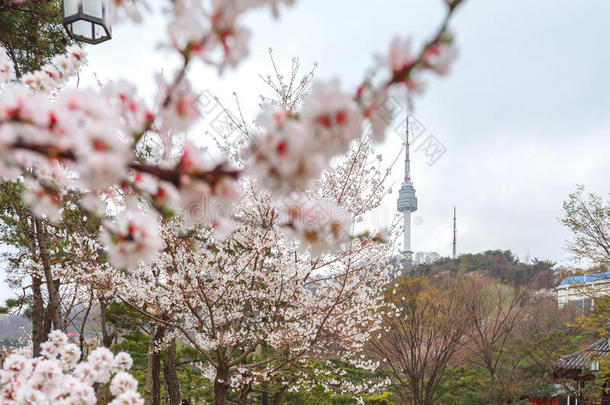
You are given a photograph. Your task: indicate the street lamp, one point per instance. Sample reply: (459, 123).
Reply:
(85, 20)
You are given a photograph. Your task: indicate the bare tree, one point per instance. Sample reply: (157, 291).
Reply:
(423, 333)
(493, 311)
(588, 217)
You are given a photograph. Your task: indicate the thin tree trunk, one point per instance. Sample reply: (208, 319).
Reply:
(277, 398)
(243, 395)
(53, 313)
(156, 375)
(171, 376)
(81, 332)
(107, 336)
(11, 52)
(38, 335)
(149, 374)
(493, 389)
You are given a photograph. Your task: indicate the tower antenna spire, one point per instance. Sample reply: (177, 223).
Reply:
(407, 157)
(407, 201)
(454, 233)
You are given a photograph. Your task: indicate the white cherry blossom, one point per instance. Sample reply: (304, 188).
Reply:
(6, 67)
(133, 238)
(54, 379)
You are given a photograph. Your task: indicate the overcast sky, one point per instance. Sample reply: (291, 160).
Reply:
(524, 114)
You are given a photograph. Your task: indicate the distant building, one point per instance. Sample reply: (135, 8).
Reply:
(580, 289)
(581, 367)
(426, 257)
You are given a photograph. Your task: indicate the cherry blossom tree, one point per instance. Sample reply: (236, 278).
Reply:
(249, 301)
(259, 302)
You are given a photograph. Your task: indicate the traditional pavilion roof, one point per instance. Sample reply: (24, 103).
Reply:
(586, 278)
(584, 357)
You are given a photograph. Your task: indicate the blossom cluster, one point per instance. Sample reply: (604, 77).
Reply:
(81, 140)
(6, 67)
(294, 148)
(57, 377)
(214, 33)
(61, 68)
(406, 66)
(320, 224)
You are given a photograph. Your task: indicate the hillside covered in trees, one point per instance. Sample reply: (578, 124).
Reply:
(499, 265)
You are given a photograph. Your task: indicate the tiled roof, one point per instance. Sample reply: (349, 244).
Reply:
(586, 278)
(584, 357)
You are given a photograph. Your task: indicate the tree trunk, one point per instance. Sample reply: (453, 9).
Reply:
(221, 386)
(81, 332)
(243, 395)
(277, 398)
(152, 391)
(38, 335)
(16, 67)
(53, 313)
(171, 377)
(107, 336)
(493, 390)
(156, 375)
(149, 375)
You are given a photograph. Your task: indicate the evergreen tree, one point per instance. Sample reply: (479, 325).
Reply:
(31, 32)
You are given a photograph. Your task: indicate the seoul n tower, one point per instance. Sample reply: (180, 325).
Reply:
(407, 202)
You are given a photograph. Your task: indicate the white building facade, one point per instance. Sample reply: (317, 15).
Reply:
(582, 289)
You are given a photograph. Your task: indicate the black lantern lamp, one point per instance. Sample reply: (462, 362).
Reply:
(85, 20)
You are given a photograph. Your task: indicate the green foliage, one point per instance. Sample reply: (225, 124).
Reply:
(31, 32)
(501, 265)
(386, 398)
(465, 386)
(135, 339)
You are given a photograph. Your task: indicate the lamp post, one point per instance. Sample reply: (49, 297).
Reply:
(85, 20)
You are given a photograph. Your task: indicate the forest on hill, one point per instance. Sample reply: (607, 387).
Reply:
(500, 265)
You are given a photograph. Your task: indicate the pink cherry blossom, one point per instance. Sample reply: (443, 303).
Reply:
(60, 69)
(44, 203)
(131, 239)
(178, 109)
(320, 224)
(284, 157)
(439, 57)
(373, 103)
(135, 114)
(400, 55)
(332, 117)
(123, 382)
(6, 67)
